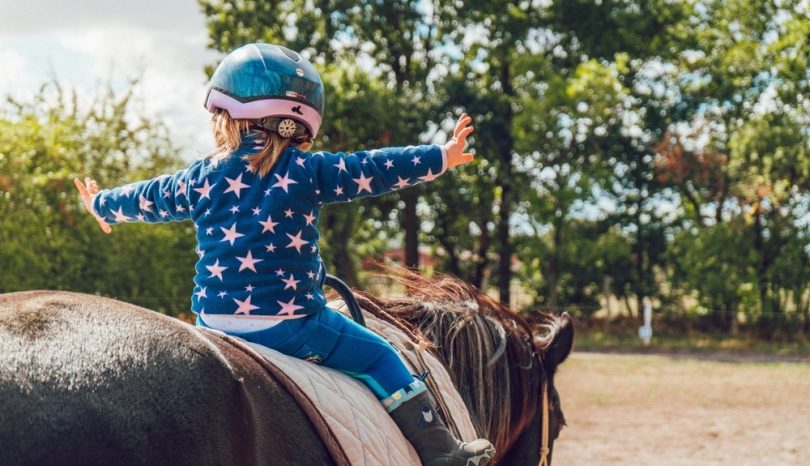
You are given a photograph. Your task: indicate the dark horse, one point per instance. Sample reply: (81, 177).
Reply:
(86, 380)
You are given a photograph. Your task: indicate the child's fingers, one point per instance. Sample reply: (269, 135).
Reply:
(468, 157)
(80, 186)
(462, 136)
(461, 125)
(104, 227)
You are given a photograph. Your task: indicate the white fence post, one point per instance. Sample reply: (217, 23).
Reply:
(645, 332)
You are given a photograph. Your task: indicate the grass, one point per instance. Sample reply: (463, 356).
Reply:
(691, 343)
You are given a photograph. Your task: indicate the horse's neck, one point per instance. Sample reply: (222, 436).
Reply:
(492, 390)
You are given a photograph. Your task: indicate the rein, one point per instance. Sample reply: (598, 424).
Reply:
(544, 450)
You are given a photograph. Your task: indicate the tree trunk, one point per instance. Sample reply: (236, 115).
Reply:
(477, 277)
(554, 260)
(410, 223)
(505, 181)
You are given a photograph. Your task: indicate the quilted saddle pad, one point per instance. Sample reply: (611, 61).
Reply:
(364, 430)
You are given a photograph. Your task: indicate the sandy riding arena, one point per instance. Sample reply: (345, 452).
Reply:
(659, 410)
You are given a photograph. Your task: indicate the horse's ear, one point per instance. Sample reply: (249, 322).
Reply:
(560, 347)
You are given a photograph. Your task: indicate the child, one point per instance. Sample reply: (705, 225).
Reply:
(255, 204)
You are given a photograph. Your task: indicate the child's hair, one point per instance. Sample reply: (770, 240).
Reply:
(227, 138)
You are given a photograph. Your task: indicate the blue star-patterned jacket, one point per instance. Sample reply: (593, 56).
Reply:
(258, 237)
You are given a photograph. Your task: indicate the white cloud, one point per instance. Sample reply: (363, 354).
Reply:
(15, 75)
(36, 17)
(89, 42)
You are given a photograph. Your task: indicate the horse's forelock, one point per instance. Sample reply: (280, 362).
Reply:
(543, 333)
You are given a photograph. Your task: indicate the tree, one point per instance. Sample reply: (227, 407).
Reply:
(49, 241)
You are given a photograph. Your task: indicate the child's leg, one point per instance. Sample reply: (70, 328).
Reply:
(340, 343)
(333, 340)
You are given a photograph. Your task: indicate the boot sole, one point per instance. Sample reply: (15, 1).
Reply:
(484, 455)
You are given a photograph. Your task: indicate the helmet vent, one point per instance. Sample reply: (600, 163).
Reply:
(293, 55)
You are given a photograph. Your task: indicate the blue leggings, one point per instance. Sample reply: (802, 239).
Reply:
(333, 340)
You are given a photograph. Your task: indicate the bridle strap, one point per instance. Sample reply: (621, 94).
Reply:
(544, 450)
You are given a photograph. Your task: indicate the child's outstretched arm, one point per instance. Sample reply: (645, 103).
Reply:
(340, 178)
(161, 199)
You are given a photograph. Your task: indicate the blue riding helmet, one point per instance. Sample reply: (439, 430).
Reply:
(264, 81)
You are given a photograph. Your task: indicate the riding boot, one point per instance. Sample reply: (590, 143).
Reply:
(412, 408)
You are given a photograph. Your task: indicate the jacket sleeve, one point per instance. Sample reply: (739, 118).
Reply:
(161, 199)
(339, 177)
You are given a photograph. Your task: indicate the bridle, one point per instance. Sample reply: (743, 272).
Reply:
(545, 449)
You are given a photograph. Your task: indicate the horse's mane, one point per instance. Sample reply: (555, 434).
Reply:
(487, 348)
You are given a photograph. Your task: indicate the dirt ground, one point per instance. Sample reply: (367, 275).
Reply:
(660, 410)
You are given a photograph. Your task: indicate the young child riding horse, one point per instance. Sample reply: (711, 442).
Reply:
(255, 204)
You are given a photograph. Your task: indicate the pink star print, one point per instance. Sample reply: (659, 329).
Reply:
(269, 225)
(291, 283)
(389, 164)
(402, 183)
(201, 293)
(341, 166)
(248, 262)
(416, 159)
(235, 186)
(181, 188)
(296, 241)
(339, 191)
(300, 161)
(289, 307)
(230, 233)
(119, 215)
(145, 204)
(280, 272)
(216, 270)
(429, 177)
(244, 306)
(270, 248)
(309, 218)
(205, 191)
(288, 213)
(284, 182)
(363, 183)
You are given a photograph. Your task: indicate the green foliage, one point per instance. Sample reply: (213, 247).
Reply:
(48, 240)
(649, 149)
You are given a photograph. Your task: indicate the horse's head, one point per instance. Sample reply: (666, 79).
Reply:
(500, 364)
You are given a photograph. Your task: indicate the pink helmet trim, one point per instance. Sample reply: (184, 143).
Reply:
(265, 108)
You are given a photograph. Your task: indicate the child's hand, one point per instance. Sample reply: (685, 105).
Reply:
(87, 191)
(455, 147)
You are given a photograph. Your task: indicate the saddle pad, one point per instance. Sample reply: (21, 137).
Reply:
(365, 431)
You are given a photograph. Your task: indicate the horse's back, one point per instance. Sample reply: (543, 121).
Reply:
(89, 380)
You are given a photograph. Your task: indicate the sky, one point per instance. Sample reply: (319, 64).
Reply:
(87, 42)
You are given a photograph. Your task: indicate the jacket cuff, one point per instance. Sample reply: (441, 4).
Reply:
(444, 159)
